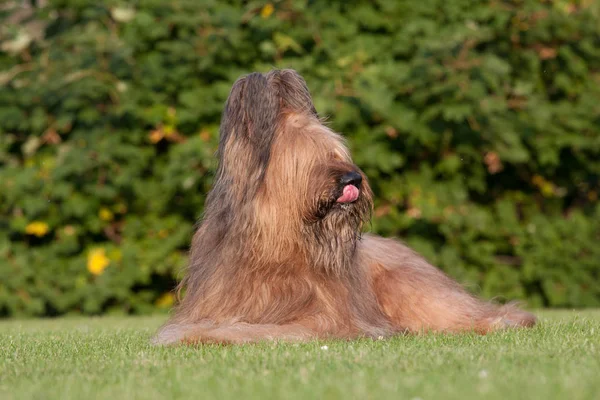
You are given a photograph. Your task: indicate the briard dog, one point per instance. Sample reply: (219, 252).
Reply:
(279, 253)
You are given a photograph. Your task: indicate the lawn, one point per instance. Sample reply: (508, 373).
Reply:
(110, 358)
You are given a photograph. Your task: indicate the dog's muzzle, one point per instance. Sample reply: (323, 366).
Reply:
(350, 183)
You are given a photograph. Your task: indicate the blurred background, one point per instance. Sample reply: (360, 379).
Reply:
(478, 123)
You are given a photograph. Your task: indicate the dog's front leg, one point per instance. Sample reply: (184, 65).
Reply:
(231, 333)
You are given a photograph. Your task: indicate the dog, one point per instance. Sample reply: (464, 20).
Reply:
(279, 253)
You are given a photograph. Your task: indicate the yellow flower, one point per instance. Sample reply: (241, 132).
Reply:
(165, 301)
(97, 261)
(37, 228)
(267, 10)
(105, 214)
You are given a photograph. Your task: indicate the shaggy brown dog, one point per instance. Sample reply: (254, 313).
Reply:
(279, 253)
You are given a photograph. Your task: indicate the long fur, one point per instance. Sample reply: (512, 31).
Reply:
(276, 257)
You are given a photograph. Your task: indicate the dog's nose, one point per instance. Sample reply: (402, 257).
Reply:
(351, 178)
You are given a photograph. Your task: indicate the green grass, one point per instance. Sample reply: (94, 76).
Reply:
(110, 358)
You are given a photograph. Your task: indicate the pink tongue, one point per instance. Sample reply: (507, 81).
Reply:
(349, 194)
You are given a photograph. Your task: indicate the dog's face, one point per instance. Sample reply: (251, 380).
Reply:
(274, 150)
(336, 188)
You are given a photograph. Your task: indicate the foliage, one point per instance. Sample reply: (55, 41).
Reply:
(478, 124)
(111, 358)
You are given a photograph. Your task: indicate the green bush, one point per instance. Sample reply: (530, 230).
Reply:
(478, 124)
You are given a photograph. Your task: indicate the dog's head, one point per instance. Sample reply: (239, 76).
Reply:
(276, 153)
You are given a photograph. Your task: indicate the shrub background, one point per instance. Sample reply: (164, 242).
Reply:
(478, 123)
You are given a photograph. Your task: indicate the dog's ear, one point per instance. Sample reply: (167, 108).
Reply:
(251, 113)
(251, 109)
(293, 91)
